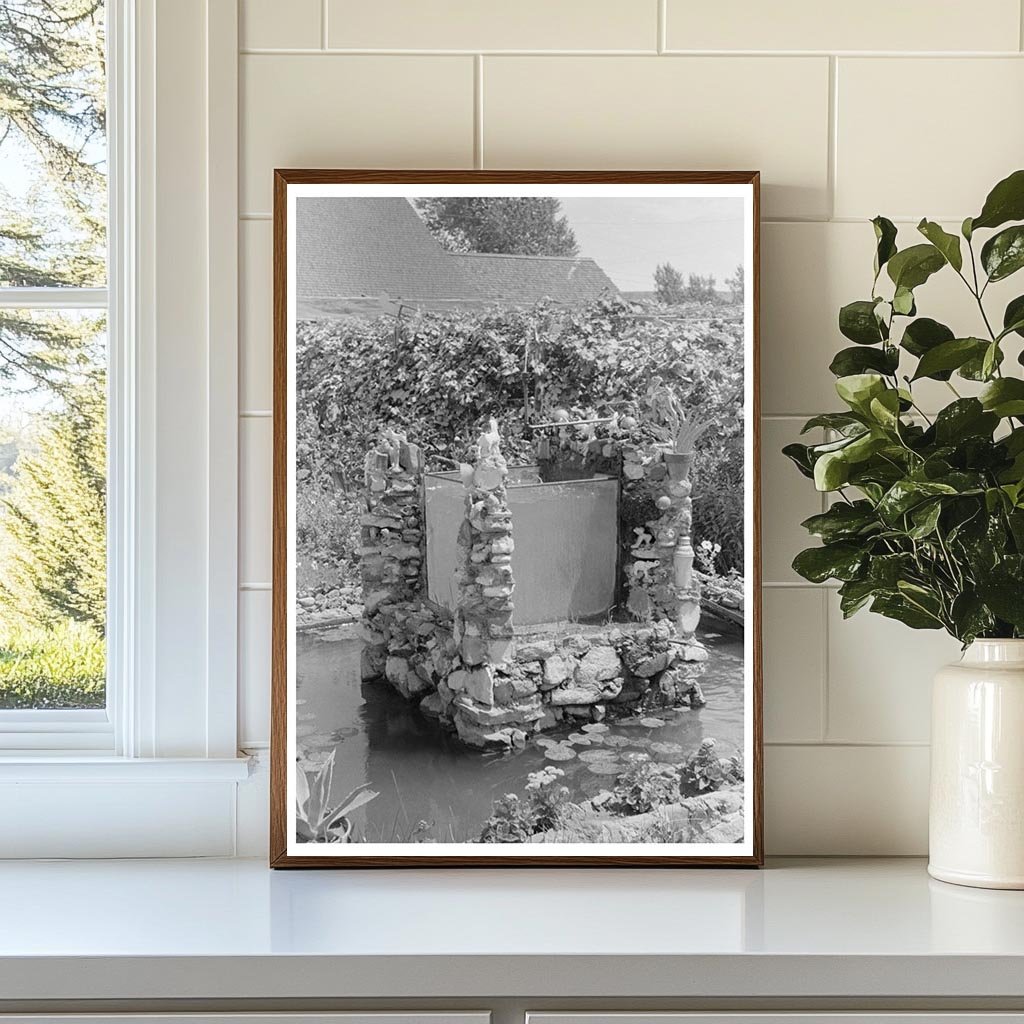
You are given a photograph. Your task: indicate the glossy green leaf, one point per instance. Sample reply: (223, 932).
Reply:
(859, 359)
(903, 302)
(924, 334)
(842, 521)
(991, 360)
(899, 608)
(799, 455)
(949, 356)
(832, 420)
(840, 561)
(885, 239)
(858, 389)
(924, 519)
(974, 368)
(857, 321)
(831, 471)
(1005, 598)
(911, 267)
(1013, 317)
(1004, 397)
(971, 616)
(885, 409)
(1005, 202)
(1003, 254)
(947, 244)
(907, 494)
(964, 418)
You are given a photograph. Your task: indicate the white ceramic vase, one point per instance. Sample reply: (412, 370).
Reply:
(976, 817)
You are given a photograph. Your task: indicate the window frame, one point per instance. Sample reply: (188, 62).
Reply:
(172, 510)
(93, 729)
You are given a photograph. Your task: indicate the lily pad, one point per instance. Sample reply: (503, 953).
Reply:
(652, 723)
(595, 727)
(618, 741)
(606, 767)
(546, 741)
(560, 753)
(580, 739)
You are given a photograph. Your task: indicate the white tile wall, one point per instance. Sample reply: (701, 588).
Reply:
(650, 112)
(909, 109)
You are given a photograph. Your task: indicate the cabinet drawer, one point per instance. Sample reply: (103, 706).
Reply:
(356, 1017)
(851, 1017)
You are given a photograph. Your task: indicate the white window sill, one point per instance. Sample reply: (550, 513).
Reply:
(76, 766)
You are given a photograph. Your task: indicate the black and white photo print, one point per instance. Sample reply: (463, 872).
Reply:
(516, 561)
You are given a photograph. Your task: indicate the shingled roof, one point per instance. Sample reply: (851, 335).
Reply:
(366, 253)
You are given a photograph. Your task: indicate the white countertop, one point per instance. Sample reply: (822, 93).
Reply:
(234, 929)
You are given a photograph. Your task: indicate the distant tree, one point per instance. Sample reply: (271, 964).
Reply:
(668, 284)
(735, 283)
(53, 519)
(517, 226)
(700, 289)
(52, 123)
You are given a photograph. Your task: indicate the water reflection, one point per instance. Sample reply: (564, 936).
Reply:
(433, 788)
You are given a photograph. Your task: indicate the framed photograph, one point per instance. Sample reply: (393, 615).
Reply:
(516, 615)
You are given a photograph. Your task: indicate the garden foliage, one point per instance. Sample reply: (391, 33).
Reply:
(53, 521)
(440, 376)
(927, 525)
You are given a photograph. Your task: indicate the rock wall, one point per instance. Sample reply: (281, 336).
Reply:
(472, 671)
(391, 556)
(655, 513)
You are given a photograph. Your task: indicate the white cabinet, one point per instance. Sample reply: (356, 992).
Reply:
(360, 1017)
(786, 1017)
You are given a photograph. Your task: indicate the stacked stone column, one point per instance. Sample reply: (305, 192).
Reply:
(391, 555)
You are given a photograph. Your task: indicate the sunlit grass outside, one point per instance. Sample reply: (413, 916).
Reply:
(60, 667)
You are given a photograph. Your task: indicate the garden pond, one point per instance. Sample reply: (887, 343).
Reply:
(432, 788)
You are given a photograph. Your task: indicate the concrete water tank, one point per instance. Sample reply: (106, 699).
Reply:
(565, 534)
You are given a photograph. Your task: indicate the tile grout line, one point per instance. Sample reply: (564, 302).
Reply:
(832, 147)
(662, 27)
(823, 723)
(478, 111)
(336, 51)
(851, 744)
(826, 649)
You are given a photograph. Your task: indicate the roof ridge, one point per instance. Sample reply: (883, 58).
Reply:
(527, 256)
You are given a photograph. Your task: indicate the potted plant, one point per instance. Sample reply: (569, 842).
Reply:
(927, 521)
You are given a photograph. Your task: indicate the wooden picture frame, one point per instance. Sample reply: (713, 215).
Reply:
(285, 849)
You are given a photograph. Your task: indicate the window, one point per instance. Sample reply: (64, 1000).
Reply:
(139, 108)
(53, 372)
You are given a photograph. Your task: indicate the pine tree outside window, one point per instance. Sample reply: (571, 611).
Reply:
(53, 368)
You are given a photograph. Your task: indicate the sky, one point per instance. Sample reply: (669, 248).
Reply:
(629, 237)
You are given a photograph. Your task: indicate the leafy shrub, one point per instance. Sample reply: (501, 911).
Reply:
(645, 784)
(928, 522)
(704, 771)
(63, 666)
(514, 820)
(440, 376)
